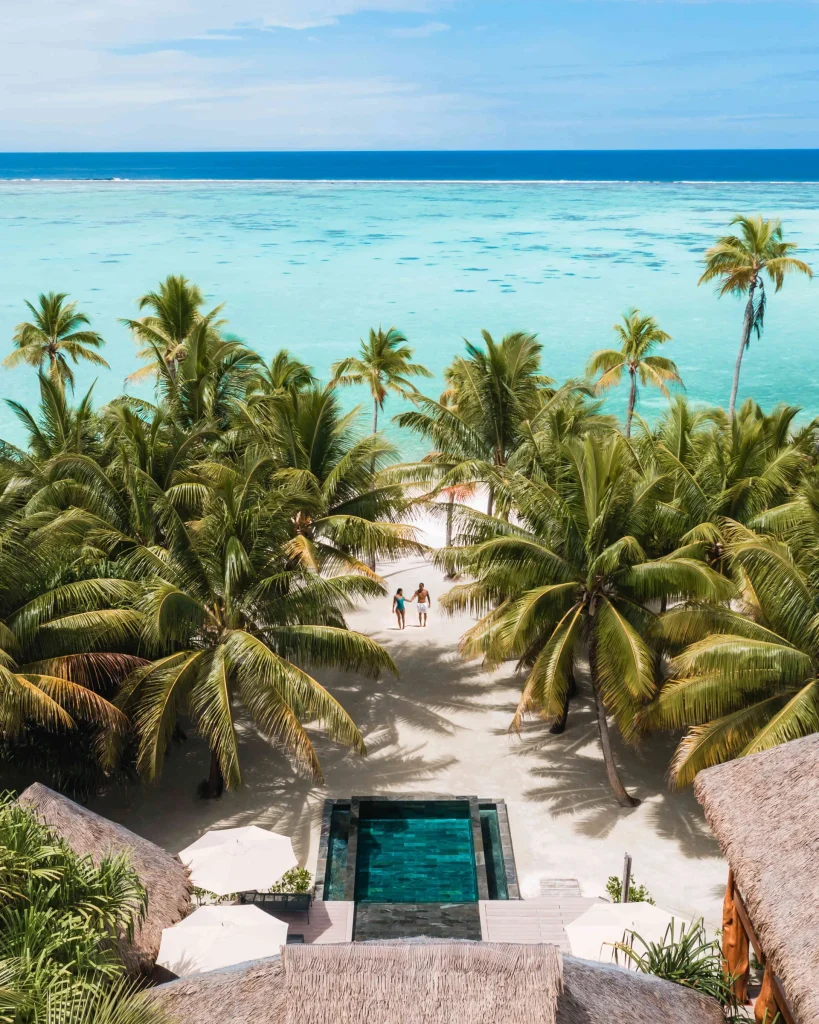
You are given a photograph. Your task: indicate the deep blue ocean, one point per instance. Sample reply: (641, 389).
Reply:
(309, 250)
(525, 165)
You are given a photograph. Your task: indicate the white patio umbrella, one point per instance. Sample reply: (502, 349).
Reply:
(214, 937)
(591, 934)
(238, 859)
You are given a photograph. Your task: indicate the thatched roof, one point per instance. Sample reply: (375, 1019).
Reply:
(764, 811)
(163, 875)
(261, 993)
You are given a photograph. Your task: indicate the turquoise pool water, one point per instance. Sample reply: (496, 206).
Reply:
(312, 265)
(415, 852)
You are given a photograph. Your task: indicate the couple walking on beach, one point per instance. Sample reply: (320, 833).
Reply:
(399, 602)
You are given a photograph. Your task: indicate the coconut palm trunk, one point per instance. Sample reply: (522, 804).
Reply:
(747, 327)
(623, 798)
(214, 785)
(632, 399)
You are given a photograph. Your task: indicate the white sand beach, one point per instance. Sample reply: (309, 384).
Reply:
(442, 727)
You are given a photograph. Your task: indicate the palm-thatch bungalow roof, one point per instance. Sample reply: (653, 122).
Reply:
(764, 811)
(164, 876)
(429, 982)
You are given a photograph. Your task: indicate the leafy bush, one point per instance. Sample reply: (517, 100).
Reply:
(294, 880)
(60, 917)
(636, 893)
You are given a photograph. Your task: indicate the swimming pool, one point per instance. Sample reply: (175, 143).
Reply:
(416, 851)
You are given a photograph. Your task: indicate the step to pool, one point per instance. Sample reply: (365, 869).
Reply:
(407, 920)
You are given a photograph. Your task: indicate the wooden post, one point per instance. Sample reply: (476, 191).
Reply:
(766, 1006)
(626, 888)
(734, 943)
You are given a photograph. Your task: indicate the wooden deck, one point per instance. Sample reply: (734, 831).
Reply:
(538, 920)
(330, 921)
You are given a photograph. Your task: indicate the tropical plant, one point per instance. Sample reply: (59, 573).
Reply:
(636, 893)
(685, 956)
(294, 880)
(570, 575)
(229, 616)
(346, 516)
(121, 1003)
(638, 335)
(384, 364)
(722, 469)
(174, 325)
(55, 334)
(57, 670)
(285, 373)
(744, 678)
(477, 424)
(60, 917)
(738, 262)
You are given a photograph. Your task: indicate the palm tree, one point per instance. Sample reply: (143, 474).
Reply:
(571, 575)
(228, 617)
(743, 680)
(638, 336)
(285, 372)
(53, 336)
(477, 423)
(175, 324)
(722, 469)
(347, 515)
(738, 262)
(383, 365)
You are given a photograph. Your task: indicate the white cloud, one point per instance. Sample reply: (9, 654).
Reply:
(424, 31)
(99, 23)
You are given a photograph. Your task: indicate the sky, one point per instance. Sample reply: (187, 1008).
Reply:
(97, 75)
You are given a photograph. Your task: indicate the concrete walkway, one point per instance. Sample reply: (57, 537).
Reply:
(442, 728)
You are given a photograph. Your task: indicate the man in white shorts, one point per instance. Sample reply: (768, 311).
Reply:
(422, 595)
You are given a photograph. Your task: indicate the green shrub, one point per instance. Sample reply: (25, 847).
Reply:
(636, 893)
(60, 916)
(294, 880)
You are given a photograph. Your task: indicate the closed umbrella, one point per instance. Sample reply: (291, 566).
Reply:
(213, 937)
(238, 859)
(592, 934)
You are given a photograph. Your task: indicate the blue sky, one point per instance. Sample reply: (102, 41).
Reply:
(407, 74)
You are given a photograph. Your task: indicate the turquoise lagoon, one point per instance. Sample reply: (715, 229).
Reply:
(312, 265)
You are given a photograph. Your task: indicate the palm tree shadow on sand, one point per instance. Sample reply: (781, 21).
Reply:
(573, 782)
(275, 795)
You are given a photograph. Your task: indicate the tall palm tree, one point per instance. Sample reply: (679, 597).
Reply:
(721, 469)
(743, 680)
(227, 618)
(738, 262)
(477, 423)
(176, 323)
(285, 372)
(346, 515)
(54, 335)
(638, 336)
(384, 364)
(571, 576)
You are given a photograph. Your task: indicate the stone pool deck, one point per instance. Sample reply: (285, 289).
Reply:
(442, 727)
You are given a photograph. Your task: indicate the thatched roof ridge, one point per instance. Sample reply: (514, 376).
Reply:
(764, 811)
(165, 878)
(447, 982)
(256, 993)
